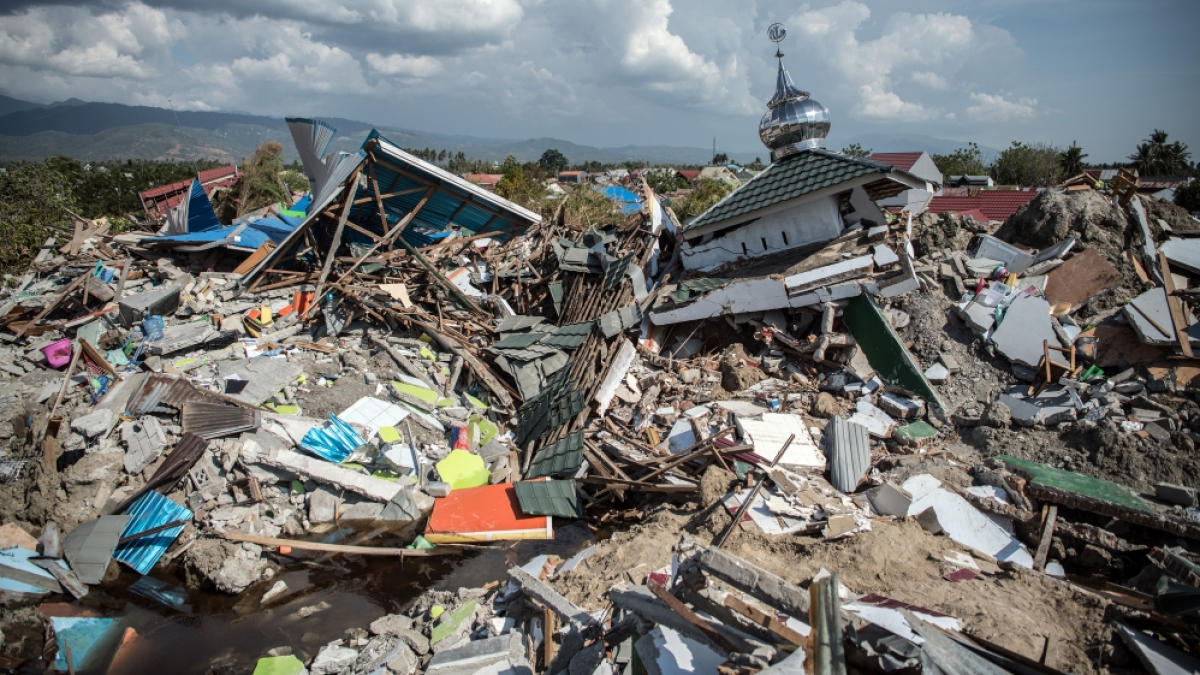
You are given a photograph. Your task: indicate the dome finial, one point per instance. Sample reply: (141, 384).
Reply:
(793, 122)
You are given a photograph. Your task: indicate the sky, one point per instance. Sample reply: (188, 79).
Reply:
(610, 73)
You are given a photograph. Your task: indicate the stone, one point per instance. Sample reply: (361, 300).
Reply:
(332, 660)
(1175, 494)
(12, 536)
(951, 363)
(824, 405)
(322, 505)
(997, 415)
(405, 662)
(391, 624)
(415, 640)
(96, 425)
(275, 591)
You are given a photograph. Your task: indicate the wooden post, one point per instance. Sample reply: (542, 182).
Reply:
(1050, 514)
(337, 238)
(1173, 303)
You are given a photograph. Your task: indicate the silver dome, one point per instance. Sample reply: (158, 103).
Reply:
(794, 121)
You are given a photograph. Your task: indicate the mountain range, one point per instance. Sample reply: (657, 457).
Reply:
(90, 131)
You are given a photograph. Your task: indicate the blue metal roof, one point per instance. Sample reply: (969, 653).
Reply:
(151, 510)
(455, 201)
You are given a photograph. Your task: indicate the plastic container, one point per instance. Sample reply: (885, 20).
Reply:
(153, 327)
(58, 353)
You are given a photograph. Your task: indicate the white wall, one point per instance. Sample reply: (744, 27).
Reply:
(792, 227)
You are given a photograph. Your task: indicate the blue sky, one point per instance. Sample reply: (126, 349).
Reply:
(1103, 73)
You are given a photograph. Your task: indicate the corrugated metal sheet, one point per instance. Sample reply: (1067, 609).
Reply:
(518, 322)
(178, 463)
(849, 449)
(568, 337)
(214, 420)
(90, 545)
(549, 498)
(150, 511)
(166, 393)
(518, 340)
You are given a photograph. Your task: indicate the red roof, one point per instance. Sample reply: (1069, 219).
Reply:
(219, 173)
(165, 189)
(901, 160)
(976, 215)
(995, 204)
(690, 175)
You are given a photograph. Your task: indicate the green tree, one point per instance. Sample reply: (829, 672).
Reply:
(699, 200)
(34, 199)
(1188, 196)
(1072, 160)
(553, 161)
(663, 181)
(517, 186)
(1157, 157)
(856, 150)
(966, 161)
(1036, 164)
(720, 159)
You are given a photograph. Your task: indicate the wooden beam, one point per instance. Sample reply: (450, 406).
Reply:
(388, 195)
(395, 231)
(339, 548)
(1174, 304)
(1043, 549)
(337, 240)
(53, 305)
(765, 620)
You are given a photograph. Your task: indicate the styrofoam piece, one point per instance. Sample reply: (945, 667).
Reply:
(616, 373)
(769, 435)
(762, 515)
(893, 621)
(373, 413)
(877, 422)
(964, 523)
(681, 437)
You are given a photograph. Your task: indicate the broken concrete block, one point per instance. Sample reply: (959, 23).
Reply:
(798, 284)
(473, 655)
(163, 300)
(144, 441)
(905, 282)
(322, 505)
(329, 473)
(901, 407)
(1153, 304)
(180, 337)
(333, 659)
(975, 315)
(877, 422)
(1014, 259)
(552, 599)
(95, 425)
(408, 504)
(885, 257)
(951, 363)
(1175, 494)
(1025, 328)
(1023, 413)
(937, 373)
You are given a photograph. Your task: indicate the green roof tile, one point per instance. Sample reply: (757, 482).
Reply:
(548, 498)
(565, 456)
(788, 179)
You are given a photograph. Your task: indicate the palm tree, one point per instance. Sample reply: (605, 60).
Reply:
(1072, 160)
(1157, 157)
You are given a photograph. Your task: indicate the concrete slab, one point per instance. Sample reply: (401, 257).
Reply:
(1081, 278)
(1153, 304)
(1023, 412)
(755, 295)
(1183, 253)
(905, 282)
(877, 422)
(180, 337)
(264, 377)
(978, 317)
(1014, 259)
(1175, 494)
(889, 500)
(157, 301)
(332, 474)
(982, 267)
(828, 274)
(144, 441)
(937, 373)
(769, 435)
(1025, 326)
(885, 257)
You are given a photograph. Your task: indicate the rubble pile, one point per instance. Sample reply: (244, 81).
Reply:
(857, 451)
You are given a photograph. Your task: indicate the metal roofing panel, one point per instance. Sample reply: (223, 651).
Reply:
(849, 449)
(529, 353)
(517, 322)
(150, 511)
(788, 179)
(564, 456)
(91, 544)
(548, 498)
(620, 320)
(214, 420)
(568, 337)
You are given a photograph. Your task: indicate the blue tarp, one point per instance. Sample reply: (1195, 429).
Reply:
(250, 234)
(629, 201)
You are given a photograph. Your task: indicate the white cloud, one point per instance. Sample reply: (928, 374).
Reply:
(404, 65)
(930, 79)
(995, 108)
(929, 47)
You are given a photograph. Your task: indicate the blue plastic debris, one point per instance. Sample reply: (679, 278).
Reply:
(19, 575)
(150, 511)
(91, 641)
(333, 443)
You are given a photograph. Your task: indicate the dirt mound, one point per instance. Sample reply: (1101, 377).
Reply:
(1053, 216)
(936, 232)
(1172, 214)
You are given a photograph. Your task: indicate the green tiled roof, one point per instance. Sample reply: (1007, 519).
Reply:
(565, 456)
(518, 340)
(548, 498)
(569, 337)
(788, 179)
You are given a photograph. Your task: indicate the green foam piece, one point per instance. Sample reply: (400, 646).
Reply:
(279, 665)
(1096, 488)
(916, 431)
(462, 469)
(487, 430)
(450, 622)
(389, 435)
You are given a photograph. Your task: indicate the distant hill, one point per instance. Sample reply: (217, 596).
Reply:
(98, 131)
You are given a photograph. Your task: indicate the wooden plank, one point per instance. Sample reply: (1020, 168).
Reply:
(1043, 549)
(339, 548)
(337, 237)
(765, 620)
(693, 618)
(1176, 307)
(53, 305)
(258, 256)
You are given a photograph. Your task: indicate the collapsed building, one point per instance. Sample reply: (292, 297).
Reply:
(798, 433)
